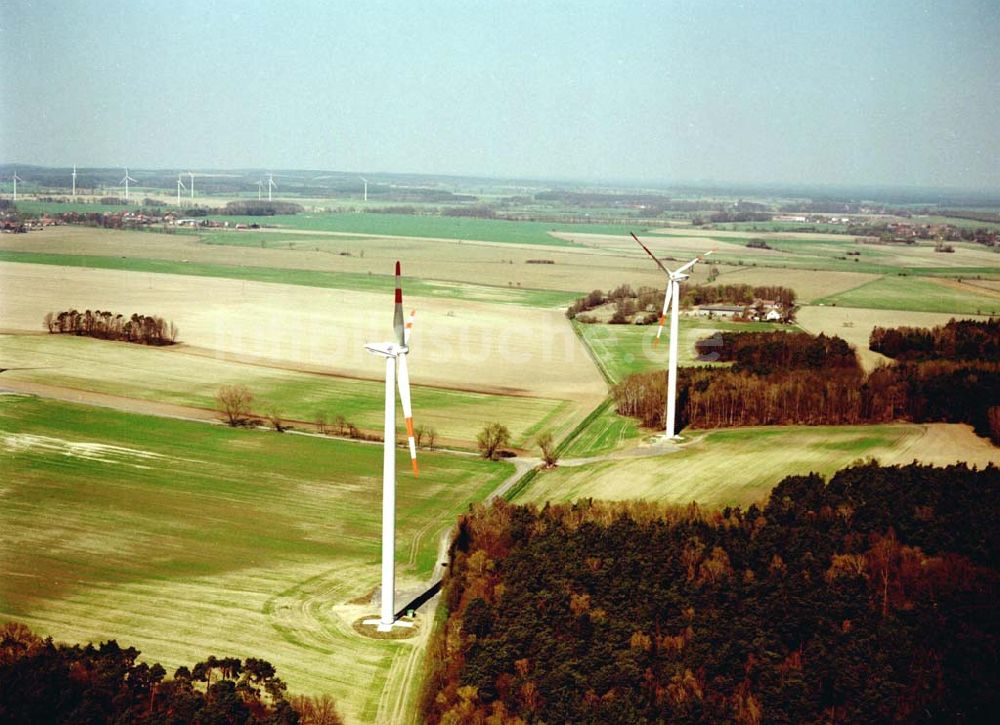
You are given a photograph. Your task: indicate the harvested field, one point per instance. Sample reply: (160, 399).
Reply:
(575, 270)
(474, 346)
(740, 466)
(855, 325)
(808, 284)
(175, 377)
(187, 540)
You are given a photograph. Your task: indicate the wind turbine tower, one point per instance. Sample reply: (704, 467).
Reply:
(180, 185)
(16, 179)
(671, 301)
(191, 175)
(74, 181)
(366, 186)
(394, 353)
(270, 185)
(260, 189)
(125, 181)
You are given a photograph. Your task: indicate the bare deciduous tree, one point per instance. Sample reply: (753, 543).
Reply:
(491, 439)
(234, 402)
(274, 418)
(546, 442)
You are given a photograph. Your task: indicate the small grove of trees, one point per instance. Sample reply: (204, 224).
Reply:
(234, 403)
(260, 208)
(956, 340)
(492, 439)
(41, 681)
(650, 300)
(106, 325)
(765, 352)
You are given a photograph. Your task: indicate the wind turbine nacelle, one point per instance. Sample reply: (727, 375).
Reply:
(386, 349)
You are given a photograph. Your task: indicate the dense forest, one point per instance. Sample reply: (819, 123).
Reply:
(762, 353)
(956, 340)
(807, 380)
(867, 599)
(45, 682)
(105, 325)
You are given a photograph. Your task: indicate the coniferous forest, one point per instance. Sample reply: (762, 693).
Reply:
(870, 598)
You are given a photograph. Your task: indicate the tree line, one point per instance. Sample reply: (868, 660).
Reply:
(819, 388)
(870, 598)
(106, 325)
(955, 340)
(42, 681)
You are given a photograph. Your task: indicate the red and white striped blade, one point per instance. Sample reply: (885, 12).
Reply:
(663, 315)
(397, 316)
(403, 380)
(409, 328)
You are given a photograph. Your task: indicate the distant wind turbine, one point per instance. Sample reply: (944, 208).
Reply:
(191, 174)
(16, 179)
(74, 181)
(672, 297)
(260, 189)
(366, 186)
(125, 181)
(394, 353)
(180, 185)
(270, 185)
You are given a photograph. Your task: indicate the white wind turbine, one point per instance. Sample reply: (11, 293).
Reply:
(125, 181)
(15, 178)
(191, 175)
(395, 368)
(366, 186)
(260, 188)
(180, 185)
(671, 300)
(270, 185)
(74, 181)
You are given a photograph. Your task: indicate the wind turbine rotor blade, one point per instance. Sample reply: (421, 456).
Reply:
(663, 315)
(693, 262)
(397, 315)
(409, 329)
(658, 262)
(403, 380)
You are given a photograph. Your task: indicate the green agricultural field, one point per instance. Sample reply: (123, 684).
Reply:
(830, 253)
(169, 375)
(303, 277)
(186, 539)
(443, 227)
(918, 295)
(605, 432)
(740, 466)
(625, 349)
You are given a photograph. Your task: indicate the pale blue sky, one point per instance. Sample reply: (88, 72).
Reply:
(901, 92)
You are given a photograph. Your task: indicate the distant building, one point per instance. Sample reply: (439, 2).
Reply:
(721, 310)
